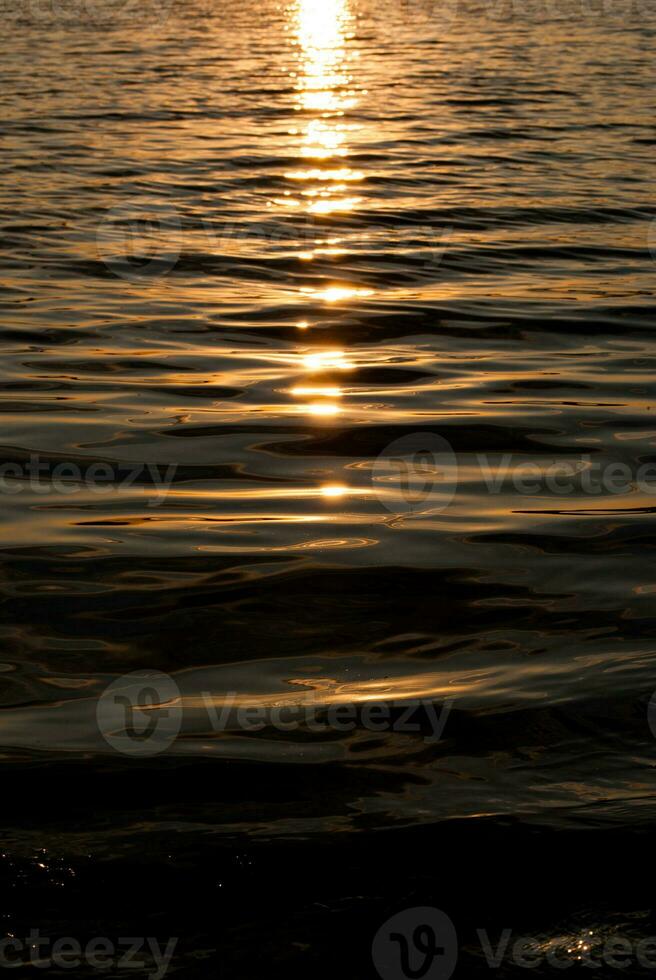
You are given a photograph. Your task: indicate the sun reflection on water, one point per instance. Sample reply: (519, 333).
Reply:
(327, 360)
(334, 294)
(325, 92)
(323, 183)
(322, 29)
(324, 95)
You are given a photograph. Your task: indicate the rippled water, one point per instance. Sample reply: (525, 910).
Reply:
(248, 248)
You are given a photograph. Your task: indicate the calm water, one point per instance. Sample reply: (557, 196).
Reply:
(247, 249)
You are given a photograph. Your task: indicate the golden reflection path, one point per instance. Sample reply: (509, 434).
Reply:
(323, 182)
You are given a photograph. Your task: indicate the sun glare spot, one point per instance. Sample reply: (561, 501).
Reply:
(327, 360)
(334, 490)
(333, 294)
(323, 409)
(326, 392)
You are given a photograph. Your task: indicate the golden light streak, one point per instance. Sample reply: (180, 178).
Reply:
(323, 408)
(334, 294)
(326, 392)
(334, 491)
(327, 360)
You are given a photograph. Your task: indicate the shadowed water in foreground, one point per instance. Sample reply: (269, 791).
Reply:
(247, 250)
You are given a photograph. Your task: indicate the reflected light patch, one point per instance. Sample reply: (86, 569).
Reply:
(331, 251)
(334, 294)
(325, 360)
(323, 141)
(334, 490)
(323, 409)
(318, 101)
(329, 207)
(345, 174)
(321, 153)
(317, 391)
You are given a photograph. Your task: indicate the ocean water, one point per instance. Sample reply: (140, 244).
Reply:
(327, 382)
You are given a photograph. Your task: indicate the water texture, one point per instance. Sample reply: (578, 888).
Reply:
(246, 249)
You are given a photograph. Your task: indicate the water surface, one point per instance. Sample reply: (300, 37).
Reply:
(250, 247)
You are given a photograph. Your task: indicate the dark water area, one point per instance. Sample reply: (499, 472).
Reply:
(326, 384)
